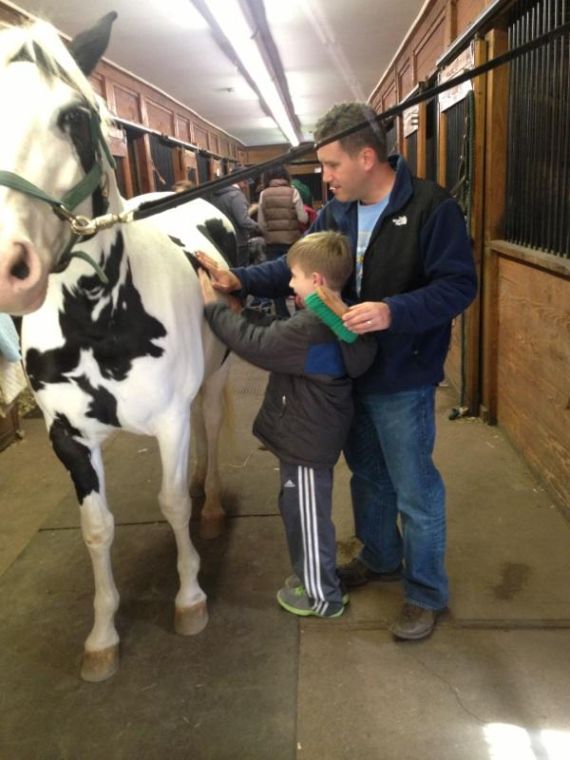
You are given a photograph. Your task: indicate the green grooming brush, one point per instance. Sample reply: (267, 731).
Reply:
(329, 308)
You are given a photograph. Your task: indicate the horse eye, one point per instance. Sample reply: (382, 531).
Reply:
(71, 117)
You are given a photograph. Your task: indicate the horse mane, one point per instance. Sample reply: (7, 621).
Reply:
(40, 43)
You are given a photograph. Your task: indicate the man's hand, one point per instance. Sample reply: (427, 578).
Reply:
(222, 279)
(366, 317)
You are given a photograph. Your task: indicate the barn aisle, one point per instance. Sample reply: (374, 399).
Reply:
(256, 684)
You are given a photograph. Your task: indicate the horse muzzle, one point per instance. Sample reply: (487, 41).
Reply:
(23, 280)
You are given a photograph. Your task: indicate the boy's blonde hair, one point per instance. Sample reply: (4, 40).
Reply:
(327, 253)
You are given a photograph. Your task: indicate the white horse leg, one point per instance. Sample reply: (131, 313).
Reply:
(101, 655)
(212, 517)
(191, 614)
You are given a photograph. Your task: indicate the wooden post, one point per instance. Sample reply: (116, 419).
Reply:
(472, 315)
(144, 161)
(422, 139)
(494, 211)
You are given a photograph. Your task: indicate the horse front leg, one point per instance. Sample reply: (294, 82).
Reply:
(101, 653)
(191, 613)
(212, 409)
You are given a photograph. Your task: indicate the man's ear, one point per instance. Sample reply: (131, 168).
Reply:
(368, 157)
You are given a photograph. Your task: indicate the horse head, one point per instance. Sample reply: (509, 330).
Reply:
(54, 160)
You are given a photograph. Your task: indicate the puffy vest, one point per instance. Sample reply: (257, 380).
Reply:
(281, 223)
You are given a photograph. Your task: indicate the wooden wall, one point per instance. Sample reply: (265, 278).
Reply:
(533, 365)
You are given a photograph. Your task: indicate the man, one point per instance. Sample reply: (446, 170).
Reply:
(232, 201)
(414, 272)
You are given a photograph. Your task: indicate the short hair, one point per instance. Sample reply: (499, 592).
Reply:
(183, 184)
(276, 172)
(345, 115)
(327, 253)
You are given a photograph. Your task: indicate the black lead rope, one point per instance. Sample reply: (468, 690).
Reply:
(164, 204)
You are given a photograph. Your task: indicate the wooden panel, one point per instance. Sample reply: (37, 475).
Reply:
(405, 79)
(182, 127)
(201, 137)
(533, 369)
(159, 118)
(214, 146)
(117, 142)
(466, 11)
(96, 81)
(127, 104)
(429, 49)
(390, 97)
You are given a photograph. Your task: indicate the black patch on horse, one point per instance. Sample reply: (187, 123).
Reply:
(118, 335)
(75, 456)
(218, 235)
(103, 407)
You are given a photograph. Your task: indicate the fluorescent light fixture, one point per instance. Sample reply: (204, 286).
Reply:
(233, 24)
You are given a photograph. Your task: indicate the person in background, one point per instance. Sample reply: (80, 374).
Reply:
(233, 202)
(414, 272)
(280, 214)
(305, 414)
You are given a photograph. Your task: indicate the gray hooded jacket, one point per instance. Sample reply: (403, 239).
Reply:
(307, 409)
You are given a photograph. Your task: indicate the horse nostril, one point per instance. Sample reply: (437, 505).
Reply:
(20, 269)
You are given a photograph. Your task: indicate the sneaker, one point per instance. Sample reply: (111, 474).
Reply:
(296, 601)
(293, 581)
(413, 623)
(355, 573)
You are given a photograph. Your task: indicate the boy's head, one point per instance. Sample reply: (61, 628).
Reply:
(322, 258)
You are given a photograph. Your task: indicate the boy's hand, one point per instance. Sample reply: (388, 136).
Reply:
(208, 293)
(222, 279)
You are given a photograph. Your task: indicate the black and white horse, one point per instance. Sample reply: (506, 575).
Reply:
(115, 339)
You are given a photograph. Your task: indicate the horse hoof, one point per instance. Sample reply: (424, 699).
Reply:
(188, 621)
(211, 527)
(100, 665)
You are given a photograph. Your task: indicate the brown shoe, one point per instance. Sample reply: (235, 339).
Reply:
(413, 623)
(355, 573)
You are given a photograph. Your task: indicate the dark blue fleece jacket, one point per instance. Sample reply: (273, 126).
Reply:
(418, 261)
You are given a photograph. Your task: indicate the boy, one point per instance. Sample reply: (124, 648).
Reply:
(306, 412)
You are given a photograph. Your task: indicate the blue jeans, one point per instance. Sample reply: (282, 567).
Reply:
(389, 452)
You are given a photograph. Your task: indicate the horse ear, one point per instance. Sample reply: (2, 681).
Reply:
(90, 45)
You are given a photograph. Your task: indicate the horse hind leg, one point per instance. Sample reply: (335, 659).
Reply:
(212, 517)
(101, 652)
(191, 613)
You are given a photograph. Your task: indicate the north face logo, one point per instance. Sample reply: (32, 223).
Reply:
(399, 221)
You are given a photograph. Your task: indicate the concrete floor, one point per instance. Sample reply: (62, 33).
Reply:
(258, 684)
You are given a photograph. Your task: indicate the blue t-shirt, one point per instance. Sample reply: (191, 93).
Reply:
(368, 215)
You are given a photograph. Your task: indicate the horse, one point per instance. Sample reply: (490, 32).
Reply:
(113, 334)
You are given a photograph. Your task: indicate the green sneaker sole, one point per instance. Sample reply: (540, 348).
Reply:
(293, 581)
(306, 613)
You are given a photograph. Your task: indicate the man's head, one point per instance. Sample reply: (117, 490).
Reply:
(322, 258)
(350, 165)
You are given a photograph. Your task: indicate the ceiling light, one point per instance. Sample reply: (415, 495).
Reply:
(235, 27)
